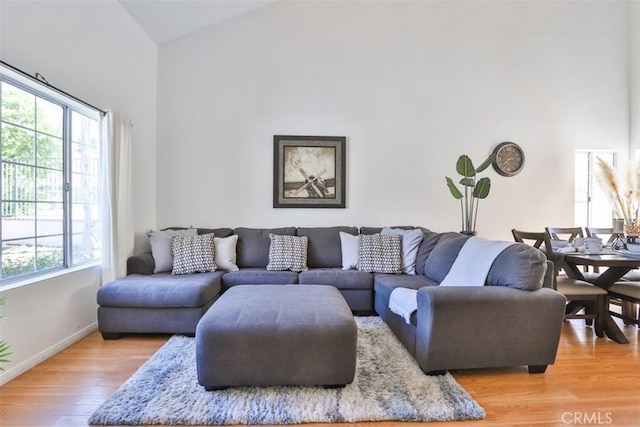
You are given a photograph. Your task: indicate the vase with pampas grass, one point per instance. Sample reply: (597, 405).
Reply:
(623, 192)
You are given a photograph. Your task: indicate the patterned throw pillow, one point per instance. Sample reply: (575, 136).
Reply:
(193, 254)
(380, 254)
(288, 253)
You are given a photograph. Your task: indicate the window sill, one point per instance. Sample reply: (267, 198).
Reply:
(48, 276)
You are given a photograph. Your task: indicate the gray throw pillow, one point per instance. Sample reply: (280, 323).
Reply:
(193, 254)
(160, 242)
(288, 253)
(380, 254)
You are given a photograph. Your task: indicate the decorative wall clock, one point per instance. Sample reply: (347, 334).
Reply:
(509, 159)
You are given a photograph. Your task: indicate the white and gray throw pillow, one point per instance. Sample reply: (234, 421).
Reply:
(160, 242)
(288, 253)
(380, 254)
(193, 254)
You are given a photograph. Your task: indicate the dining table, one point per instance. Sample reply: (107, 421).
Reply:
(613, 266)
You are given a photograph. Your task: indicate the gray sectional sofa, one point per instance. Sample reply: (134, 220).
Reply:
(514, 320)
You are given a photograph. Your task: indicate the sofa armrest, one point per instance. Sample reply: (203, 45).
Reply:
(486, 327)
(141, 264)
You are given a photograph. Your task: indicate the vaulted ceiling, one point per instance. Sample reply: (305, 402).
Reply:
(165, 21)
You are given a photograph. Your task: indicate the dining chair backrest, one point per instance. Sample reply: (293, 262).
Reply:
(557, 233)
(539, 240)
(601, 232)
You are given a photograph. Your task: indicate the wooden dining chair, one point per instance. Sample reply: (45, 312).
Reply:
(601, 232)
(626, 294)
(586, 295)
(568, 234)
(633, 275)
(565, 233)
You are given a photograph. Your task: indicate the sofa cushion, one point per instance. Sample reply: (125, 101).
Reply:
(258, 276)
(380, 254)
(161, 251)
(219, 232)
(341, 279)
(519, 266)
(411, 240)
(193, 254)
(252, 250)
(287, 253)
(376, 230)
(350, 248)
(443, 255)
(429, 242)
(324, 250)
(162, 290)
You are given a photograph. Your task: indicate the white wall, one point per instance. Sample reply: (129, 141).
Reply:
(95, 51)
(412, 85)
(634, 78)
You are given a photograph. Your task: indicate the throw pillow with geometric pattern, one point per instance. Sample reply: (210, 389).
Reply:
(380, 254)
(288, 253)
(193, 254)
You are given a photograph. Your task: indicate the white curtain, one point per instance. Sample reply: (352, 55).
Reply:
(115, 200)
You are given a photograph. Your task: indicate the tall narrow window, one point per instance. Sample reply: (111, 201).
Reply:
(49, 160)
(85, 164)
(592, 207)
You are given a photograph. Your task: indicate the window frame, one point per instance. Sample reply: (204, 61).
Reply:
(69, 105)
(591, 183)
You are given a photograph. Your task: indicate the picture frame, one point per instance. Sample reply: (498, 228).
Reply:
(309, 171)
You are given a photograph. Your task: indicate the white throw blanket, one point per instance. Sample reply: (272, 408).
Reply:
(470, 268)
(474, 261)
(403, 302)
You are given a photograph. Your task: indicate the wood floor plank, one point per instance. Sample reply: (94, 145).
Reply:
(594, 381)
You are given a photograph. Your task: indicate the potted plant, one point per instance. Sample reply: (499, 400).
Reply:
(474, 190)
(4, 346)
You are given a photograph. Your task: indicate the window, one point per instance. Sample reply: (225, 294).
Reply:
(592, 207)
(49, 163)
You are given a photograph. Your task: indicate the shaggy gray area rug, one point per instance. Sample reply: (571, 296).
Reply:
(388, 385)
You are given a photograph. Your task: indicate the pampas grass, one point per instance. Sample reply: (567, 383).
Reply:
(623, 192)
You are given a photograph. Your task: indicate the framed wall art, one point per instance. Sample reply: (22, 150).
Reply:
(309, 171)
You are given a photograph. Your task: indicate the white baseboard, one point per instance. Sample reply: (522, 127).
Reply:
(23, 367)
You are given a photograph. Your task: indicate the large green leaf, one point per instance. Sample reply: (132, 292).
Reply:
(454, 190)
(482, 188)
(4, 352)
(465, 166)
(468, 182)
(486, 163)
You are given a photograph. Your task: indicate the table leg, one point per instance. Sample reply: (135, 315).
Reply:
(612, 330)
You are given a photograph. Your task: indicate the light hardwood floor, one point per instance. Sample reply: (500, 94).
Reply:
(593, 382)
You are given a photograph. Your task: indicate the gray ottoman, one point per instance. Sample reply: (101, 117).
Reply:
(277, 335)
